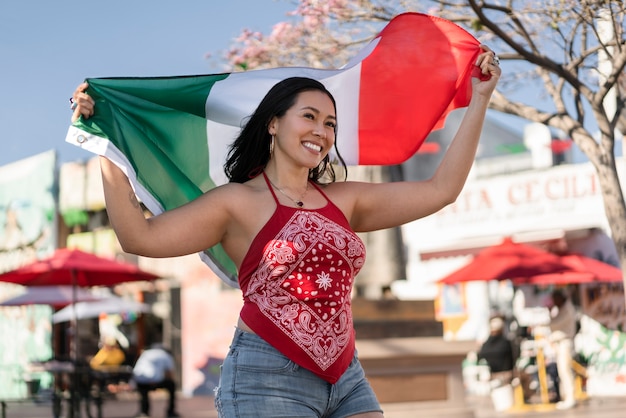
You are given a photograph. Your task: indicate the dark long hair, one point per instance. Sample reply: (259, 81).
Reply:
(249, 154)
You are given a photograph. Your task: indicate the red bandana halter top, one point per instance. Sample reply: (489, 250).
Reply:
(297, 280)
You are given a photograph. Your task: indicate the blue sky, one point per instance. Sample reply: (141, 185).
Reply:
(47, 47)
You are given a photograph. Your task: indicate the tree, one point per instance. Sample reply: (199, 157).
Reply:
(571, 51)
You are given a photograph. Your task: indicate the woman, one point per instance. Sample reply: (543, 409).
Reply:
(292, 236)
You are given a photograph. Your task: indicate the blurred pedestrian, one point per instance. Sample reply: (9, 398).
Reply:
(497, 351)
(563, 326)
(155, 370)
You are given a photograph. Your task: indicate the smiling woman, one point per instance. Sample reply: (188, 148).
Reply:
(290, 230)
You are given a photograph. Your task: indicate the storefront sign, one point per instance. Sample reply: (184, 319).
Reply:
(565, 197)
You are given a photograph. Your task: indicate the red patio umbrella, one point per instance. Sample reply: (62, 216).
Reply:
(76, 268)
(507, 260)
(577, 269)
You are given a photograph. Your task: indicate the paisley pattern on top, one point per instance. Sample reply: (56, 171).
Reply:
(304, 282)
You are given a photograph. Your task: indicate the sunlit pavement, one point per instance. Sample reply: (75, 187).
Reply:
(126, 406)
(598, 407)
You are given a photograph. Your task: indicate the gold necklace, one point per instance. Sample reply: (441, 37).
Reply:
(298, 202)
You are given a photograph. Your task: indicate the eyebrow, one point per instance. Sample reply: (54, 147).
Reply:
(316, 110)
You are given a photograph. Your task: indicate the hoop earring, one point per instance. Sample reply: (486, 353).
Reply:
(272, 144)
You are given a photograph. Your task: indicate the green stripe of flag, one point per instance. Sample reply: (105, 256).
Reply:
(168, 152)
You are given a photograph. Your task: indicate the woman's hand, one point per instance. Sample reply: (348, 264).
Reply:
(82, 103)
(490, 70)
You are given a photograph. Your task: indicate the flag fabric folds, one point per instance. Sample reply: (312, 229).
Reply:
(171, 135)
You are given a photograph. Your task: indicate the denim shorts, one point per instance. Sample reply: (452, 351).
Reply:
(256, 380)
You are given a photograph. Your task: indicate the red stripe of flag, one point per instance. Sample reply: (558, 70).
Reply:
(416, 75)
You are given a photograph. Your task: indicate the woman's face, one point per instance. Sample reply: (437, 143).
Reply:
(306, 133)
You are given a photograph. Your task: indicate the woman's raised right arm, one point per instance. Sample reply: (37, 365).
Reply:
(124, 210)
(191, 228)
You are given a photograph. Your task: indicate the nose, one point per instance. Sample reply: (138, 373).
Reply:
(319, 131)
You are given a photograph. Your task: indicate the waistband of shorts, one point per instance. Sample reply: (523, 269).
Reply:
(248, 339)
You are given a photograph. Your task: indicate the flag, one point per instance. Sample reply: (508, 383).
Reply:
(171, 135)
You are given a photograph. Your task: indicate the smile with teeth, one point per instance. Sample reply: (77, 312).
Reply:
(314, 147)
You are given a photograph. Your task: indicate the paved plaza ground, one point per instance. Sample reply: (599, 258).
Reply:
(195, 407)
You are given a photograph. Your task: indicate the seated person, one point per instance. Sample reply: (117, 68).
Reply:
(110, 354)
(155, 370)
(497, 351)
(106, 365)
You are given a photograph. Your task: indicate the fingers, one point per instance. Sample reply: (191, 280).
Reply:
(488, 62)
(82, 104)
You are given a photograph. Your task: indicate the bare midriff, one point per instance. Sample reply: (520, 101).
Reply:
(242, 326)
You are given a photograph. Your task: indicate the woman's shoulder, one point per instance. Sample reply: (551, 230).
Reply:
(344, 186)
(343, 194)
(236, 194)
(233, 189)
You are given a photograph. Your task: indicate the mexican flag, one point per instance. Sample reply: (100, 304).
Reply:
(171, 135)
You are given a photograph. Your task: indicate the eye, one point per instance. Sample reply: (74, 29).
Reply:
(331, 124)
(309, 116)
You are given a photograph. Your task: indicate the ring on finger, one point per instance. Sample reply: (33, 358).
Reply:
(73, 104)
(496, 60)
